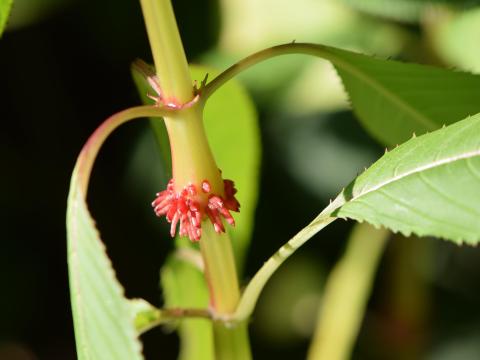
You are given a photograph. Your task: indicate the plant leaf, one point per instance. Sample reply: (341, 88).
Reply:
(428, 186)
(103, 322)
(393, 100)
(103, 318)
(5, 7)
(145, 314)
(184, 286)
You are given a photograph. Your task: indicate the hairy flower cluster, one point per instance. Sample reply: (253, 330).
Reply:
(190, 206)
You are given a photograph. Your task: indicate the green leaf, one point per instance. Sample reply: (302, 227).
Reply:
(103, 321)
(184, 286)
(103, 317)
(5, 7)
(233, 133)
(393, 100)
(404, 10)
(429, 186)
(145, 314)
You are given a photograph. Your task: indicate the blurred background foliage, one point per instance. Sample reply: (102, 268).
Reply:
(65, 66)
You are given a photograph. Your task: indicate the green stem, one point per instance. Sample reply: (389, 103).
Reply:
(220, 271)
(193, 162)
(346, 294)
(256, 285)
(249, 61)
(192, 158)
(231, 343)
(168, 55)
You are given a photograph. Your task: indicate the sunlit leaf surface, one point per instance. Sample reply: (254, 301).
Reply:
(427, 186)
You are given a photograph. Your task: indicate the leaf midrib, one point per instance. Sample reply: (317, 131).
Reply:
(419, 169)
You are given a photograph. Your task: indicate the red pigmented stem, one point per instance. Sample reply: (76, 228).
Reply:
(90, 150)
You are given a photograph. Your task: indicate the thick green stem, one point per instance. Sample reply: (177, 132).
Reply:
(346, 294)
(193, 163)
(192, 158)
(230, 342)
(220, 270)
(168, 55)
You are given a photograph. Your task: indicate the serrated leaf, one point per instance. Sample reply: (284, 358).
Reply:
(103, 318)
(428, 186)
(5, 7)
(393, 100)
